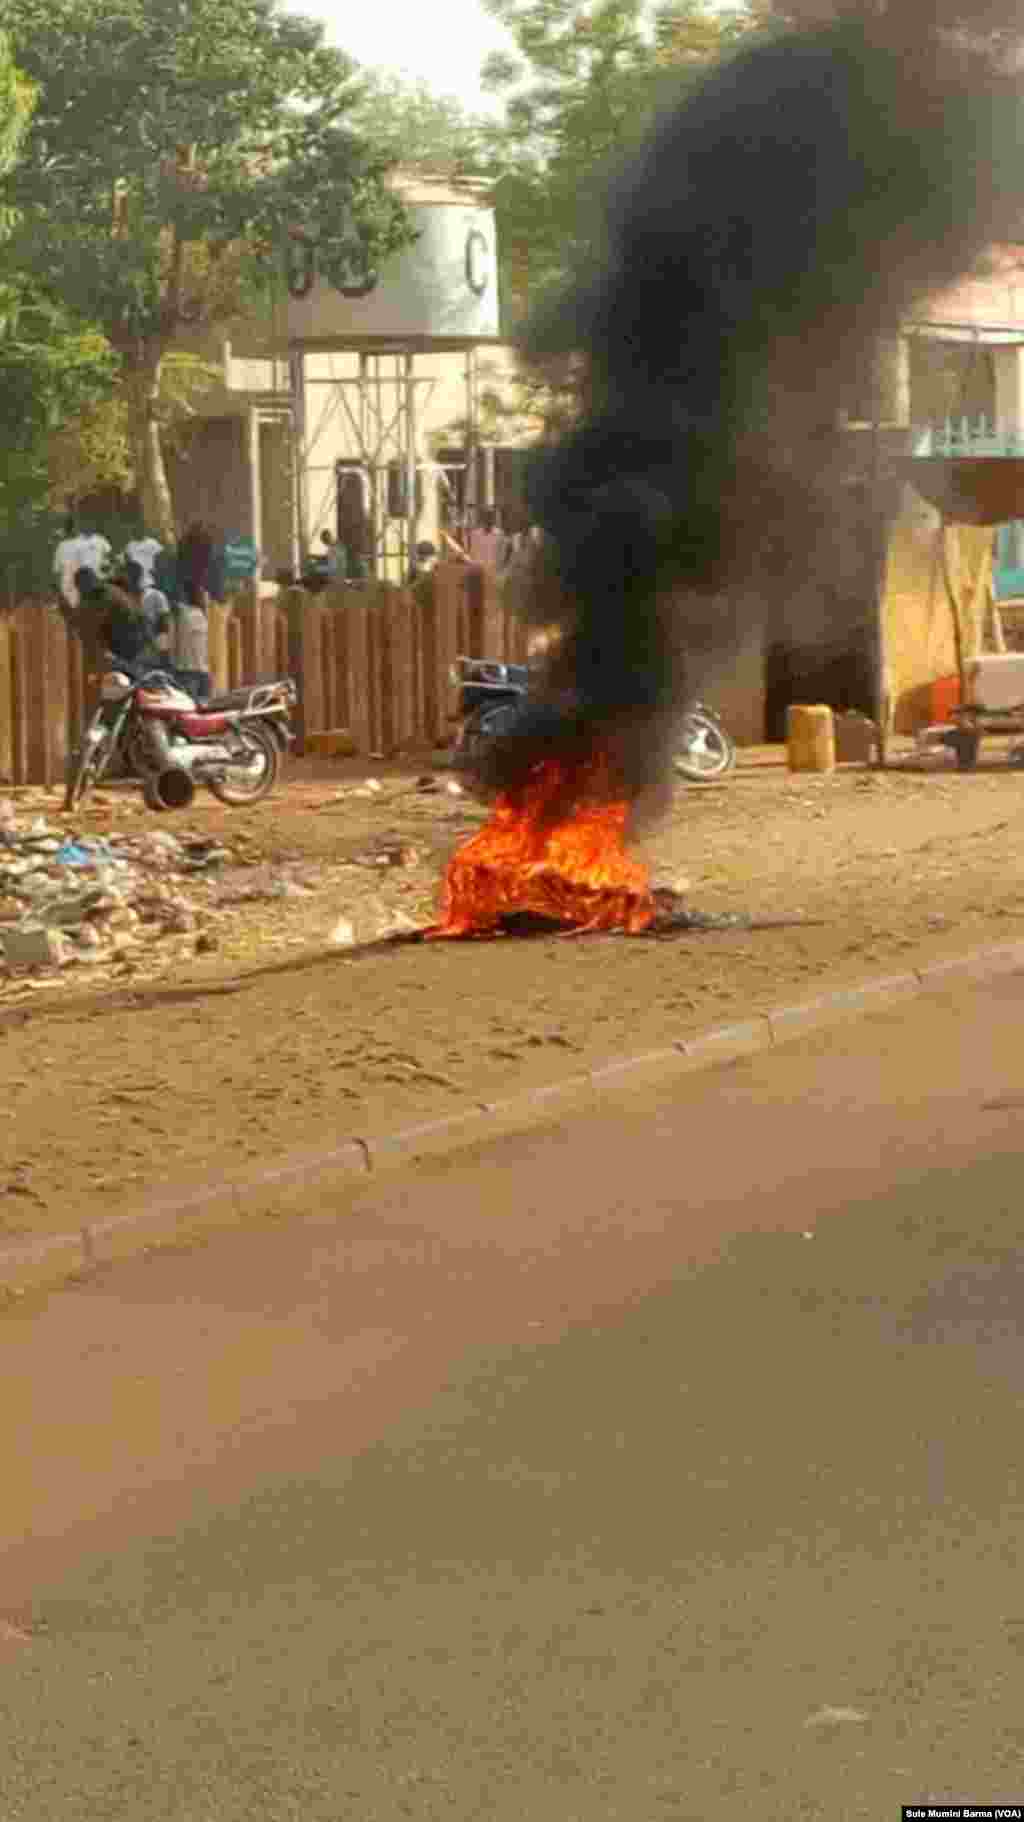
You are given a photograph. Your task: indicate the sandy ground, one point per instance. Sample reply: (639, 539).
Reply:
(659, 1464)
(106, 1102)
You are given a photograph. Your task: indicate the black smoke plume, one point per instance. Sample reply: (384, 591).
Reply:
(772, 227)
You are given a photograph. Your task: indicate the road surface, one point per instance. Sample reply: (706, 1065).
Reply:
(663, 1465)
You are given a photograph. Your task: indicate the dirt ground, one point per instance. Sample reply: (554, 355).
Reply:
(114, 1094)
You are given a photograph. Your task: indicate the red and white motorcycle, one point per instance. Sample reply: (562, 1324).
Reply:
(152, 730)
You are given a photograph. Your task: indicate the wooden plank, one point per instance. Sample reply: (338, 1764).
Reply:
(328, 668)
(34, 693)
(384, 675)
(430, 694)
(247, 621)
(236, 667)
(218, 621)
(494, 625)
(418, 705)
(56, 658)
(6, 699)
(473, 612)
(399, 613)
(337, 610)
(374, 670)
(449, 598)
(19, 697)
(304, 645)
(76, 690)
(357, 664)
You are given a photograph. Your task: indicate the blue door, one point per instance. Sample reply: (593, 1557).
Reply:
(1008, 566)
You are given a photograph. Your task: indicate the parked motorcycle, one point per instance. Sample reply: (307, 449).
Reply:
(489, 698)
(233, 743)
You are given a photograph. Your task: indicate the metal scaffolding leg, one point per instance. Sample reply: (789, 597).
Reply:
(299, 454)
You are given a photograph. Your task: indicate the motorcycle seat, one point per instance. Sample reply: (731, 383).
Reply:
(201, 726)
(220, 705)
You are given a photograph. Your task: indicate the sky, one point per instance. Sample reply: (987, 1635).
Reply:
(444, 45)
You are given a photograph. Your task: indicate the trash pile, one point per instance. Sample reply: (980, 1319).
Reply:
(68, 899)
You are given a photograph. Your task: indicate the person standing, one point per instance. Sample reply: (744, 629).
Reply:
(195, 562)
(424, 561)
(78, 550)
(487, 543)
(191, 648)
(144, 551)
(151, 604)
(112, 612)
(336, 557)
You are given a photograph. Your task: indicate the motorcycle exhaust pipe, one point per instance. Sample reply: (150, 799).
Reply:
(170, 789)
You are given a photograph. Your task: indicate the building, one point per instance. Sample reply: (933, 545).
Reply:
(359, 411)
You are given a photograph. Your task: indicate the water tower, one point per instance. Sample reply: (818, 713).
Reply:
(438, 297)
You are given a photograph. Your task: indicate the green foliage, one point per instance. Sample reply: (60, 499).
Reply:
(580, 90)
(53, 373)
(174, 145)
(17, 99)
(406, 123)
(168, 127)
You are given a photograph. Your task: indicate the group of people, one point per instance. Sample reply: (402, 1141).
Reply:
(150, 609)
(485, 545)
(489, 547)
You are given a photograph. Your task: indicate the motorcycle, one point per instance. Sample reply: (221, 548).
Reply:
(232, 743)
(489, 698)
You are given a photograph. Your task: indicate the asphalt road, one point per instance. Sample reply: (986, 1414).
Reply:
(663, 1465)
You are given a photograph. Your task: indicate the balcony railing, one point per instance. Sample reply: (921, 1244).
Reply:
(964, 438)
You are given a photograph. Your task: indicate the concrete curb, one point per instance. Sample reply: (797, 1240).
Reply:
(355, 1160)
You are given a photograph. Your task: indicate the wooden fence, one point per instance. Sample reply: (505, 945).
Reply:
(371, 659)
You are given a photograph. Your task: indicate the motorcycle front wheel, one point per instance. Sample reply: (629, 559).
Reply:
(255, 775)
(705, 751)
(85, 765)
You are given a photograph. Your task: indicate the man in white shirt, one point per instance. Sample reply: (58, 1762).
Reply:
(144, 552)
(78, 550)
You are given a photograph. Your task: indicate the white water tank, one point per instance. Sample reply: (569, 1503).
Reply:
(441, 290)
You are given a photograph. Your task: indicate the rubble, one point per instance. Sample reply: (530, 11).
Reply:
(96, 901)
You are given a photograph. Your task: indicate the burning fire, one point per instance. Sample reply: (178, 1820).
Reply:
(532, 856)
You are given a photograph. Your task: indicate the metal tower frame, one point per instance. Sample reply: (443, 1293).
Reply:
(380, 405)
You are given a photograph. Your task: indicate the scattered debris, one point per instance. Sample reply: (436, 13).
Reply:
(391, 851)
(248, 885)
(33, 946)
(673, 917)
(68, 898)
(835, 1717)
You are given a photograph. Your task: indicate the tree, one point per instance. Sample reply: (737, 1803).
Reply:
(16, 102)
(580, 91)
(408, 124)
(54, 373)
(174, 145)
(17, 99)
(53, 370)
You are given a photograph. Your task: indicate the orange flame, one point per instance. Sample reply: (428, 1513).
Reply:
(532, 856)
